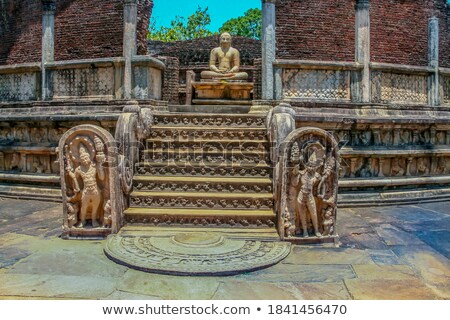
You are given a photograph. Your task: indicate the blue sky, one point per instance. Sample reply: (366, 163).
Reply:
(220, 10)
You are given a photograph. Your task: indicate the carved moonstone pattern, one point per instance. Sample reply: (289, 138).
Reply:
(194, 254)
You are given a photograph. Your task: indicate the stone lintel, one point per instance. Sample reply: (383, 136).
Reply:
(148, 61)
(316, 65)
(401, 68)
(84, 63)
(20, 68)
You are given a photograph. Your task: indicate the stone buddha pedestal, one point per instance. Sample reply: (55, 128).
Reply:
(224, 81)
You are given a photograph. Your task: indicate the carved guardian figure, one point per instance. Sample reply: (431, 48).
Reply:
(307, 182)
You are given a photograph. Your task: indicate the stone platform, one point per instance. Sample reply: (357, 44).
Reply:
(217, 90)
(195, 253)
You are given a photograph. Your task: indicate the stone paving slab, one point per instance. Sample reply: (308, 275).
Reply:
(380, 289)
(168, 287)
(327, 256)
(397, 252)
(301, 273)
(55, 286)
(243, 290)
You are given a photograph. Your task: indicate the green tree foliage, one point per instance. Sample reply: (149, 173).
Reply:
(195, 26)
(249, 25)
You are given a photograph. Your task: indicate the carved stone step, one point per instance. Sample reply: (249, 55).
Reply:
(205, 144)
(202, 184)
(211, 200)
(203, 169)
(259, 233)
(200, 155)
(208, 132)
(218, 121)
(201, 217)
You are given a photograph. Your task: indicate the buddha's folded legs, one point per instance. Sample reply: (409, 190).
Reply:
(230, 76)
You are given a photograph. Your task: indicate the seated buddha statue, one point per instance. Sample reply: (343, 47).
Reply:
(228, 60)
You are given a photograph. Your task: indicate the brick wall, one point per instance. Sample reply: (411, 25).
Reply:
(171, 82)
(94, 28)
(399, 31)
(83, 29)
(196, 52)
(316, 30)
(20, 31)
(444, 53)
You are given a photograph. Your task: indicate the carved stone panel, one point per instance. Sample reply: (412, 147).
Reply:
(316, 84)
(390, 87)
(307, 185)
(83, 82)
(90, 183)
(18, 86)
(445, 84)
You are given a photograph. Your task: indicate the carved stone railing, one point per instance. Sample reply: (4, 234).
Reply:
(316, 80)
(444, 86)
(90, 79)
(101, 79)
(21, 82)
(400, 84)
(305, 80)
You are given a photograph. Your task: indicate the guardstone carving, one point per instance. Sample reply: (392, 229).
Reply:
(90, 183)
(307, 179)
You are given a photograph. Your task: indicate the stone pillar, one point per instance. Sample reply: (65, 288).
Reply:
(268, 48)
(433, 61)
(48, 41)
(129, 43)
(362, 53)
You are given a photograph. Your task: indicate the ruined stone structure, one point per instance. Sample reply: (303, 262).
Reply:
(354, 111)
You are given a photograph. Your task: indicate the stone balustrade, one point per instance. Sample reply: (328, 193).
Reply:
(305, 80)
(101, 79)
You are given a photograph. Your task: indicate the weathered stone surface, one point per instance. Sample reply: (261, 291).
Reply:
(394, 236)
(55, 286)
(432, 267)
(388, 290)
(439, 240)
(120, 295)
(10, 256)
(387, 272)
(327, 256)
(384, 257)
(71, 259)
(301, 273)
(242, 290)
(168, 287)
(323, 291)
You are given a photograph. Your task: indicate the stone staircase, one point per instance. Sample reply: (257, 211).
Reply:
(204, 171)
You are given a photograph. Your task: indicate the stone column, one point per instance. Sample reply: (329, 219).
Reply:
(268, 48)
(129, 43)
(362, 53)
(48, 41)
(433, 61)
